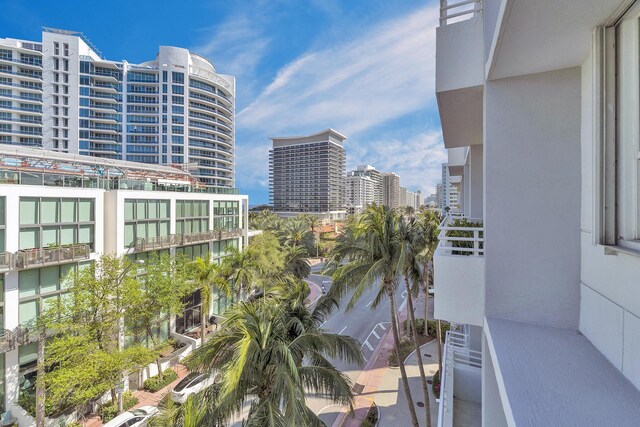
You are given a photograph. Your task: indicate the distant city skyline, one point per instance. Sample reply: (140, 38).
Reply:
(300, 67)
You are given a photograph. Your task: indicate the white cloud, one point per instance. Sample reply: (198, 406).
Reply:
(236, 47)
(382, 74)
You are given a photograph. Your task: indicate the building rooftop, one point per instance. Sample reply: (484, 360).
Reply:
(325, 135)
(35, 166)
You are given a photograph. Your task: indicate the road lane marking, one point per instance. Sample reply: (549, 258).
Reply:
(367, 306)
(382, 326)
(340, 333)
(374, 334)
(368, 345)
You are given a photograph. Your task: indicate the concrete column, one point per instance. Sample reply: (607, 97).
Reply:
(474, 177)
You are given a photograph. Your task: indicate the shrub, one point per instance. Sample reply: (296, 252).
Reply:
(110, 410)
(435, 385)
(73, 424)
(406, 325)
(432, 328)
(155, 383)
(372, 417)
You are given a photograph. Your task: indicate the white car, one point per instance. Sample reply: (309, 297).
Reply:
(191, 384)
(133, 418)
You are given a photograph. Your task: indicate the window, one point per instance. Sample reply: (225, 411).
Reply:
(177, 77)
(56, 48)
(617, 104)
(192, 216)
(145, 219)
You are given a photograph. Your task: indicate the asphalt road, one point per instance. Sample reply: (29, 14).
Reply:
(363, 323)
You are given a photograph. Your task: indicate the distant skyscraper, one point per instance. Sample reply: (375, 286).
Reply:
(377, 178)
(307, 174)
(61, 94)
(391, 190)
(360, 192)
(450, 191)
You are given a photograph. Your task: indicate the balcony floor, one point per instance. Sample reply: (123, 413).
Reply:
(466, 413)
(555, 376)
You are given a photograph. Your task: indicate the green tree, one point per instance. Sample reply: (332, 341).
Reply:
(296, 262)
(259, 353)
(297, 232)
(207, 276)
(367, 255)
(86, 356)
(411, 243)
(164, 284)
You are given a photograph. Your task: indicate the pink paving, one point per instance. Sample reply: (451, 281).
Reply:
(145, 397)
(371, 376)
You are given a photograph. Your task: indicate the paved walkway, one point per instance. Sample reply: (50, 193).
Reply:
(383, 385)
(144, 397)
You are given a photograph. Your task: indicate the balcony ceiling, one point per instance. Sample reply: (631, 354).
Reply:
(545, 35)
(461, 116)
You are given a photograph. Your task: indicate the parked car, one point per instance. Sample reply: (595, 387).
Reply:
(133, 418)
(191, 384)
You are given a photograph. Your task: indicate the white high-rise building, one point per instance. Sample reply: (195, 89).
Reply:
(539, 104)
(61, 94)
(377, 178)
(450, 190)
(59, 212)
(360, 192)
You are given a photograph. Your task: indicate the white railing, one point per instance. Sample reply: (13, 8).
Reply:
(452, 11)
(459, 239)
(456, 352)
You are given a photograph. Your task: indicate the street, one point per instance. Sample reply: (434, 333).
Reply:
(363, 323)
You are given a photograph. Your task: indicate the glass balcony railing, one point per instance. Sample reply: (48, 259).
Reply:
(42, 256)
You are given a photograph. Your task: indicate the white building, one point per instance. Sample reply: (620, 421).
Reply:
(360, 192)
(61, 94)
(377, 178)
(59, 212)
(541, 97)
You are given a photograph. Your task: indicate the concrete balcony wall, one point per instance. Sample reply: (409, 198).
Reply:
(459, 288)
(459, 80)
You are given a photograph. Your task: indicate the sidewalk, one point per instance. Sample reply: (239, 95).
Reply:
(314, 294)
(383, 385)
(144, 397)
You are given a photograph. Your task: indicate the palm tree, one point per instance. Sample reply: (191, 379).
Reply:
(367, 256)
(296, 232)
(239, 269)
(296, 262)
(259, 354)
(411, 241)
(207, 275)
(429, 221)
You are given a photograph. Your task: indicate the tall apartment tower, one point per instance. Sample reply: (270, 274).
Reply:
(307, 174)
(360, 192)
(539, 109)
(391, 190)
(377, 178)
(61, 94)
(450, 190)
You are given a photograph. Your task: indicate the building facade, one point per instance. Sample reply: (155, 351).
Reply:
(450, 189)
(59, 212)
(377, 178)
(307, 175)
(61, 94)
(361, 192)
(391, 190)
(543, 103)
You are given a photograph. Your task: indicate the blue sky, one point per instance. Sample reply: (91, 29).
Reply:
(362, 67)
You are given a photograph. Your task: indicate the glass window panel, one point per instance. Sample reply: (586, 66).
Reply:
(164, 209)
(29, 238)
(164, 228)
(85, 234)
(204, 224)
(141, 231)
(2, 211)
(153, 209)
(28, 211)
(189, 211)
(85, 210)
(28, 283)
(141, 209)
(179, 209)
(49, 236)
(49, 277)
(1, 244)
(128, 210)
(48, 302)
(68, 235)
(68, 210)
(152, 229)
(27, 312)
(28, 353)
(49, 211)
(179, 227)
(66, 276)
(129, 234)
(188, 229)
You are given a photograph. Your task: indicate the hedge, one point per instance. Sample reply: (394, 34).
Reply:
(155, 383)
(110, 410)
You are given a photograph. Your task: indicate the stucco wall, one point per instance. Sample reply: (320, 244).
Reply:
(532, 198)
